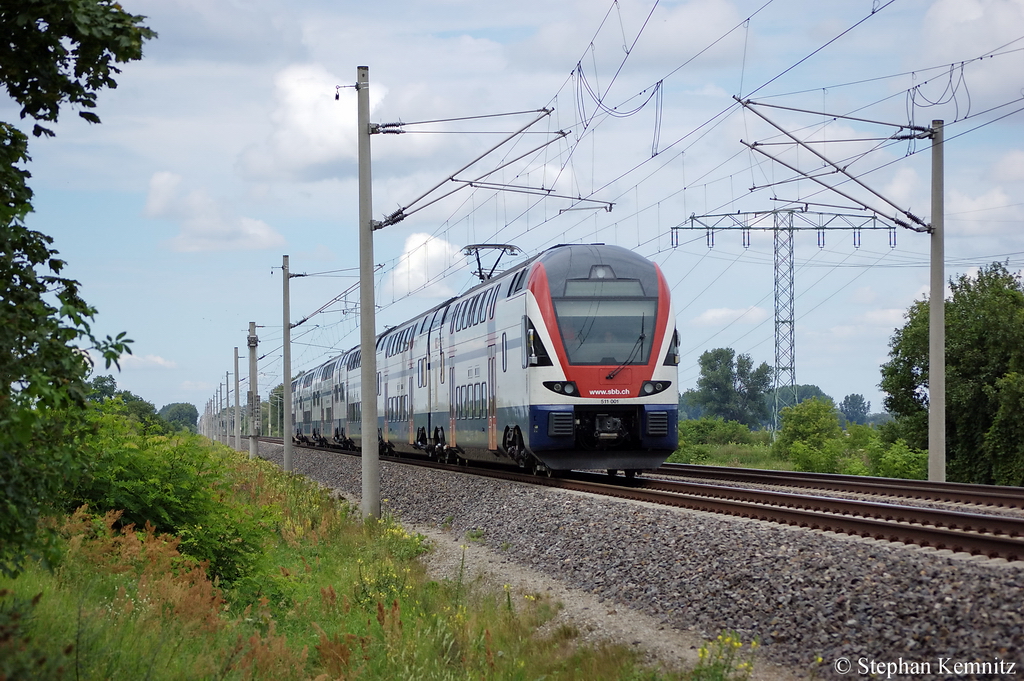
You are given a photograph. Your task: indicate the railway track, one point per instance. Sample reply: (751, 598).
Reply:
(952, 492)
(994, 536)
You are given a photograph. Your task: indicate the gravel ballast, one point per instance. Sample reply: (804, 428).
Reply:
(862, 606)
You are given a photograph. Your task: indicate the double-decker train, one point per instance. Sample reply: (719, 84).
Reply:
(566, 361)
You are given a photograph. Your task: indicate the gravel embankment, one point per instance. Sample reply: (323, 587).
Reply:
(802, 594)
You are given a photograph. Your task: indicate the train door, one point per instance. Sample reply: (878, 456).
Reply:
(451, 401)
(492, 407)
(387, 411)
(409, 410)
(428, 385)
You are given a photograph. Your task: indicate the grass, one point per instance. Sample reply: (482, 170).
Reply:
(327, 596)
(733, 455)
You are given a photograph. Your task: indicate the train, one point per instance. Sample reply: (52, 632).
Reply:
(566, 361)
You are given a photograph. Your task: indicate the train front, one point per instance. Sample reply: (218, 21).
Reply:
(602, 357)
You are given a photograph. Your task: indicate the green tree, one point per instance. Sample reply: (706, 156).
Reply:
(101, 388)
(810, 436)
(180, 414)
(688, 407)
(53, 53)
(984, 327)
(1004, 440)
(793, 395)
(272, 418)
(730, 387)
(855, 409)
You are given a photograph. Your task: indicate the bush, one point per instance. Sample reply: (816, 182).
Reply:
(813, 423)
(898, 461)
(714, 431)
(176, 483)
(692, 454)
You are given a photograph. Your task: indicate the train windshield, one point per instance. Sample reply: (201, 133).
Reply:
(607, 331)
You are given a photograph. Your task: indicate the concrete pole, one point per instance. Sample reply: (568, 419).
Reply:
(238, 412)
(286, 432)
(937, 319)
(254, 397)
(227, 408)
(367, 316)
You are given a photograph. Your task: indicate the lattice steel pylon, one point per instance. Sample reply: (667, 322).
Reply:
(785, 331)
(785, 222)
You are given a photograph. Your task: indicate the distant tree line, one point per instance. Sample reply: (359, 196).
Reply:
(174, 416)
(731, 388)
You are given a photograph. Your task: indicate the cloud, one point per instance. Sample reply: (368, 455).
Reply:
(723, 315)
(424, 260)
(1009, 168)
(205, 224)
(197, 386)
(892, 317)
(146, 362)
(992, 213)
(314, 135)
(907, 191)
(957, 30)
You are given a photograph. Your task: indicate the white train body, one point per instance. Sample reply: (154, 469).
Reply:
(567, 361)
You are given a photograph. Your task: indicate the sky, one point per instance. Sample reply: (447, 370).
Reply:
(233, 143)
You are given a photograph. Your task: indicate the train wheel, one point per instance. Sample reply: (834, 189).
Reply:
(631, 474)
(612, 473)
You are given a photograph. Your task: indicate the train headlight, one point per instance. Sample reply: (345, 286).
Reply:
(562, 387)
(654, 387)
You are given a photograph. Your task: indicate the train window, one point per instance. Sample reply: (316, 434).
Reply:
(494, 301)
(512, 284)
(504, 352)
(378, 383)
(482, 311)
(518, 282)
(483, 399)
(672, 356)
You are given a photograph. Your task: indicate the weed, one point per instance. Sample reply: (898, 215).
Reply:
(725, 659)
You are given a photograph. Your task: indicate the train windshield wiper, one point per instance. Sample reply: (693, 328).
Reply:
(636, 346)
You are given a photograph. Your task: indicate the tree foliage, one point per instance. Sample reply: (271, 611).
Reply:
(790, 395)
(101, 388)
(812, 423)
(984, 328)
(58, 52)
(731, 388)
(180, 414)
(54, 52)
(855, 408)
